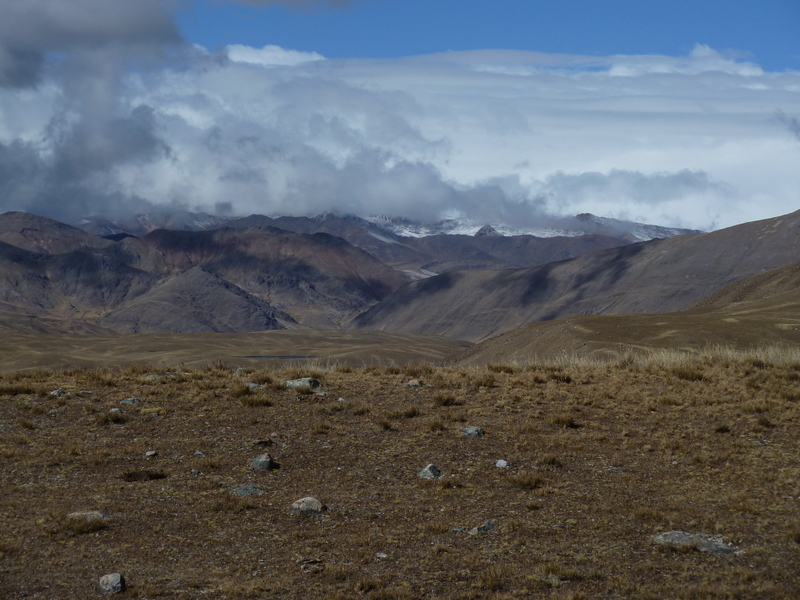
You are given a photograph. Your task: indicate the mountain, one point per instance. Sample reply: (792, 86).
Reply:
(423, 256)
(649, 277)
(224, 279)
(763, 310)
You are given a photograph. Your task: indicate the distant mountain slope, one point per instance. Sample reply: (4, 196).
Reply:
(442, 252)
(224, 279)
(658, 276)
(758, 311)
(40, 234)
(195, 301)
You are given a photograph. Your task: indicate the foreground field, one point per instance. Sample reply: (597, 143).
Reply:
(602, 457)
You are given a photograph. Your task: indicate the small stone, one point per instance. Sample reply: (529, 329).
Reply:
(308, 382)
(415, 383)
(115, 413)
(150, 454)
(131, 401)
(265, 462)
(308, 506)
(341, 400)
(430, 472)
(485, 528)
(113, 583)
(253, 386)
(196, 473)
(381, 555)
(501, 464)
(472, 431)
(239, 372)
(53, 412)
(58, 393)
(198, 454)
(248, 490)
(694, 541)
(153, 378)
(91, 516)
(458, 529)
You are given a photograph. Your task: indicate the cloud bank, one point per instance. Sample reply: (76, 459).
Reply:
(116, 112)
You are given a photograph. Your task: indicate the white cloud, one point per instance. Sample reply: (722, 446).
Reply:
(270, 56)
(699, 140)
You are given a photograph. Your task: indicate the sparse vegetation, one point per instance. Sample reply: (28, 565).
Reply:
(603, 455)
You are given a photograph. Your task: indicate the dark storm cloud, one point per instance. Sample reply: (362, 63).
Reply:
(33, 32)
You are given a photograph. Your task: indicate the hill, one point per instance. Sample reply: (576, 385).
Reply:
(650, 277)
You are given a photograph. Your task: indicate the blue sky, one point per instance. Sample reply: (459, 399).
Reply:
(505, 112)
(765, 32)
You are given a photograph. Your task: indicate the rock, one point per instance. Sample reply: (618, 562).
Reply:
(153, 378)
(53, 412)
(239, 372)
(308, 382)
(487, 231)
(501, 464)
(472, 431)
(150, 454)
(196, 473)
(683, 540)
(59, 392)
(415, 383)
(115, 414)
(248, 490)
(485, 528)
(92, 516)
(131, 401)
(308, 506)
(254, 386)
(265, 462)
(381, 555)
(430, 472)
(113, 583)
(198, 454)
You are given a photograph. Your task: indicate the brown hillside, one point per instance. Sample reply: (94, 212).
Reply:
(771, 318)
(651, 277)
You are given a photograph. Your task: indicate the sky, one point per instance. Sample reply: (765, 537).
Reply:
(509, 112)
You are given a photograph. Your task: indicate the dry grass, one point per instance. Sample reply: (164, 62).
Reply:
(603, 455)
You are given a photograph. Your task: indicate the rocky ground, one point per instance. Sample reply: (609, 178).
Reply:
(651, 479)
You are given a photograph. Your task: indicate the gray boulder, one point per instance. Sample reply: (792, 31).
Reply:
(431, 472)
(113, 583)
(308, 382)
(308, 506)
(248, 490)
(472, 431)
(680, 540)
(264, 462)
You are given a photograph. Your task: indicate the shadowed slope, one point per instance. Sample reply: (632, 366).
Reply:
(650, 277)
(766, 312)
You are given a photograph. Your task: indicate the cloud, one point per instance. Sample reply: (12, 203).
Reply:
(791, 123)
(97, 117)
(297, 4)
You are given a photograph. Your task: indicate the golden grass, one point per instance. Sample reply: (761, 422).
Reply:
(603, 455)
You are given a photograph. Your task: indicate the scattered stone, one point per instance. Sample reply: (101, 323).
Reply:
(341, 400)
(113, 583)
(310, 565)
(248, 490)
(431, 472)
(681, 540)
(92, 516)
(131, 401)
(150, 454)
(196, 473)
(153, 378)
(308, 506)
(501, 464)
(198, 454)
(59, 392)
(415, 383)
(265, 462)
(53, 412)
(381, 555)
(458, 529)
(254, 386)
(308, 382)
(115, 414)
(472, 431)
(260, 443)
(611, 469)
(485, 528)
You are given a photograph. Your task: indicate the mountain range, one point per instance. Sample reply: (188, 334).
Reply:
(260, 273)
